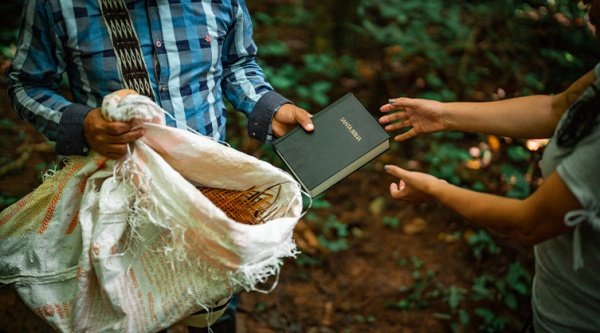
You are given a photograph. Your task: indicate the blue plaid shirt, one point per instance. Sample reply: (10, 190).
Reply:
(196, 53)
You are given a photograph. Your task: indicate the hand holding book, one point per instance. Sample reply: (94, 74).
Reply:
(345, 138)
(288, 117)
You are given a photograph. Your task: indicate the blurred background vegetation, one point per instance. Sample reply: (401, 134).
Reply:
(315, 51)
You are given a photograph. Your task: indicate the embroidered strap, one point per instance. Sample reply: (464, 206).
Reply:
(127, 47)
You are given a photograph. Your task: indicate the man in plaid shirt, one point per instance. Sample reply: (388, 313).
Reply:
(196, 54)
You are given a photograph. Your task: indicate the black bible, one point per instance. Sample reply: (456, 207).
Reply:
(345, 138)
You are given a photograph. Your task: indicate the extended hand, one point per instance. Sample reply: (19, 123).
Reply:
(288, 117)
(412, 186)
(109, 138)
(422, 115)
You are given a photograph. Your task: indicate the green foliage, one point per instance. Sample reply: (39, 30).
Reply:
(312, 81)
(260, 307)
(304, 260)
(415, 296)
(466, 307)
(492, 322)
(508, 289)
(455, 295)
(465, 43)
(10, 23)
(391, 222)
(274, 48)
(320, 202)
(481, 288)
(481, 243)
(7, 124)
(515, 178)
(518, 153)
(362, 319)
(519, 279)
(517, 282)
(307, 77)
(445, 158)
(334, 235)
(7, 200)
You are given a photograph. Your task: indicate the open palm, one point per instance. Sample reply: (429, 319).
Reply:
(421, 115)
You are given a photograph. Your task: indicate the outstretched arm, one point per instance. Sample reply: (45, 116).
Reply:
(522, 117)
(530, 221)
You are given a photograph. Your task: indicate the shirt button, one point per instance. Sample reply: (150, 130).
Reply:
(163, 88)
(158, 44)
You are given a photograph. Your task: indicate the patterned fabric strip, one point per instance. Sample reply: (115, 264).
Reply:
(127, 47)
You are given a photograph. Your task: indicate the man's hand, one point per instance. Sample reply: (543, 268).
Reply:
(109, 138)
(288, 117)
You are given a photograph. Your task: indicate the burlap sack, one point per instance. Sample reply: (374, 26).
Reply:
(134, 245)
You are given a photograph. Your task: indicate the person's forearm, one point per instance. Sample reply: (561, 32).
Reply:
(503, 215)
(244, 83)
(522, 117)
(58, 119)
(529, 221)
(39, 105)
(34, 82)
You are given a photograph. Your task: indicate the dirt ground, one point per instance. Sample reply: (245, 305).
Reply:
(322, 291)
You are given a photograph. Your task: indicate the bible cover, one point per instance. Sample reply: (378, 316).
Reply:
(346, 137)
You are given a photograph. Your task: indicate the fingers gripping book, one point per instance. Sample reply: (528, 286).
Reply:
(346, 137)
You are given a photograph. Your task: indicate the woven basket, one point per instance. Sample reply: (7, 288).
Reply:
(249, 207)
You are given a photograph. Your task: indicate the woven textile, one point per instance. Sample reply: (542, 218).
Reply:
(249, 206)
(127, 47)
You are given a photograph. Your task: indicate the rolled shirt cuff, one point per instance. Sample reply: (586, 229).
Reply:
(70, 139)
(261, 117)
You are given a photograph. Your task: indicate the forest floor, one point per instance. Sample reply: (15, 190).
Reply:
(396, 268)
